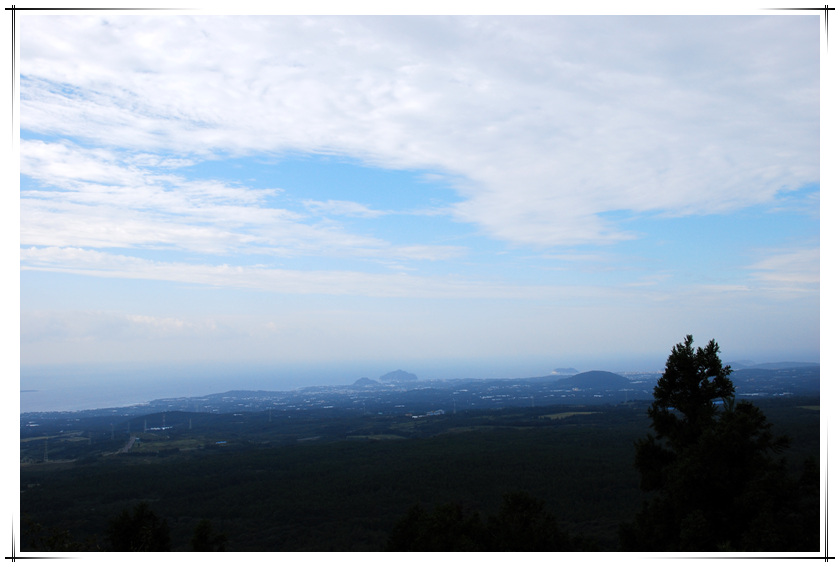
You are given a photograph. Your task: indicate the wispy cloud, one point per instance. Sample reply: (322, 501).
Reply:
(87, 326)
(329, 282)
(542, 128)
(789, 271)
(93, 198)
(539, 181)
(342, 208)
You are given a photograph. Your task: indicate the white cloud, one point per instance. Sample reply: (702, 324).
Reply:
(97, 326)
(422, 252)
(342, 208)
(541, 125)
(320, 282)
(543, 122)
(789, 271)
(92, 198)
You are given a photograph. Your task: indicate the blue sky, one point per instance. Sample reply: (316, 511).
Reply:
(418, 191)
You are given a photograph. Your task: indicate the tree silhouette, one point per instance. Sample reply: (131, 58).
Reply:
(522, 524)
(713, 467)
(34, 537)
(206, 539)
(684, 397)
(140, 530)
(447, 528)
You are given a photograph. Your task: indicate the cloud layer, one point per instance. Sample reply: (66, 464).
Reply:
(560, 184)
(539, 127)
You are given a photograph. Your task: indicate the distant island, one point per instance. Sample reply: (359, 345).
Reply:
(401, 392)
(398, 377)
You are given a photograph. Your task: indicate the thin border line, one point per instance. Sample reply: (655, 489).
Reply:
(824, 9)
(14, 73)
(14, 9)
(14, 557)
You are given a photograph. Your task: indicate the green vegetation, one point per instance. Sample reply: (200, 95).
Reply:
(205, 538)
(139, 530)
(522, 524)
(348, 494)
(351, 483)
(714, 475)
(719, 484)
(565, 414)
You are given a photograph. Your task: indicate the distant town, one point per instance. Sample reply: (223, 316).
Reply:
(403, 393)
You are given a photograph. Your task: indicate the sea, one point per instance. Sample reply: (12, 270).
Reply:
(73, 388)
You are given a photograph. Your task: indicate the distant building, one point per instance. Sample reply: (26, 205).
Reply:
(428, 414)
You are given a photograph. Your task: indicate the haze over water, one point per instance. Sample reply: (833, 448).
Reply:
(78, 387)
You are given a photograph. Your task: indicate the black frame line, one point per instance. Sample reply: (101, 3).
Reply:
(825, 9)
(13, 557)
(14, 72)
(13, 9)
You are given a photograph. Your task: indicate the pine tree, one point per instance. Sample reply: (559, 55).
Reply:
(712, 466)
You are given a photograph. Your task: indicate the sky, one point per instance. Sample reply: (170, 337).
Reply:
(487, 195)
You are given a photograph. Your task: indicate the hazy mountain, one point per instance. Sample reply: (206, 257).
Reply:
(398, 377)
(744, 364)
(785, 365)
(365, 383)
(596, 379)
(737, 364)
(767, 379)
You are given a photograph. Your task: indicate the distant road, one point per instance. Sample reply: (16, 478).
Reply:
(128, 445)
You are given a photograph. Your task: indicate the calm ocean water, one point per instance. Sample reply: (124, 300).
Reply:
(71, 399)
(71, 388)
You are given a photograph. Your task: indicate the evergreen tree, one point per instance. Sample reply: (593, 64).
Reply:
(713, 467)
